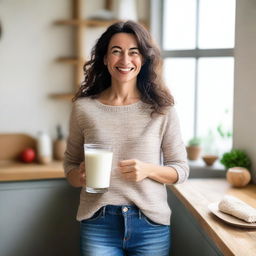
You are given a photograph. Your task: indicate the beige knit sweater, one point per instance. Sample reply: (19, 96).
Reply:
(133, 134)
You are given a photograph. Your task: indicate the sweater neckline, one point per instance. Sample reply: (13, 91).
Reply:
(120, 108)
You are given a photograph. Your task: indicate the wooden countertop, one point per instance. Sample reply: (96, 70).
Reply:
(15, 171)
(197, 194)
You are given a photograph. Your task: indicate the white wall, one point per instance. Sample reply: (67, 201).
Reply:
(29, 45)
(245, 80)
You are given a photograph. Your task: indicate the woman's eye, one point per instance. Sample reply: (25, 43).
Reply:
(134, 53)
(116, 52)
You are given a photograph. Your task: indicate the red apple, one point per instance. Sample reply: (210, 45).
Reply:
(28, 155)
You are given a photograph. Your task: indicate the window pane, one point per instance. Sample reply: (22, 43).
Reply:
(215, 103)
(216, 24)
(179, 24)
(179, 74)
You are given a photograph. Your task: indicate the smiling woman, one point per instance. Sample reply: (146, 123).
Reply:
(124, 104)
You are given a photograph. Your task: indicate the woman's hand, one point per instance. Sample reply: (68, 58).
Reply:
(134, 170)
(76, 177)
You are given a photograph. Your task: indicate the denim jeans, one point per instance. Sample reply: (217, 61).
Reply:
(123, 231)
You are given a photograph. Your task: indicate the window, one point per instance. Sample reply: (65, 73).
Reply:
(197, 39)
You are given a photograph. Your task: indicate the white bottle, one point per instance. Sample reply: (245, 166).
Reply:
(44, 148)
(126, 9)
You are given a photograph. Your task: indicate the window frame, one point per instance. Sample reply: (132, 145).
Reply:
(156, 22)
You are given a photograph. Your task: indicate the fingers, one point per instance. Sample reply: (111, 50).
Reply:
(133, 169)
(127, 166)
(126, 169)
(129, 169)
(82, 173)
(129, 162)
(130, 176)
(82, 167)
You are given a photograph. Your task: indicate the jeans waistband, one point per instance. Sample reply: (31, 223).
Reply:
(121, 210)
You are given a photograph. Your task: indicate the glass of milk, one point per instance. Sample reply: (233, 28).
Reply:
(98, 163)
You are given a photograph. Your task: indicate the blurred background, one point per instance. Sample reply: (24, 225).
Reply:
(208, 49)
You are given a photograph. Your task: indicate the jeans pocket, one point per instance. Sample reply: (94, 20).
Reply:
(151, 222)
(97, 215)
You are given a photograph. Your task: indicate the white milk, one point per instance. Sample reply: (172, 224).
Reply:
(98, 163)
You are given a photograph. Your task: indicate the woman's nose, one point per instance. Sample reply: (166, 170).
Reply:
(125, 58)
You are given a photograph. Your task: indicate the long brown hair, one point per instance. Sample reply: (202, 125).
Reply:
(149, 81)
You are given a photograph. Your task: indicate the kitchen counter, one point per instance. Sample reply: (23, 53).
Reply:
(15, 171)
(197, 194)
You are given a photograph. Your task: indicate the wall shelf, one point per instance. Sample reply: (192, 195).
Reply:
(86, 23)
(69, 60)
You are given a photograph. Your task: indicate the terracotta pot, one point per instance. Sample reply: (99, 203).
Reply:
(193, 152)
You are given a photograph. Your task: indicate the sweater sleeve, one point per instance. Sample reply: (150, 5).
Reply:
(173, 148)
(74, 152)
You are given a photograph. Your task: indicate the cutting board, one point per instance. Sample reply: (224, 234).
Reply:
(12, 144)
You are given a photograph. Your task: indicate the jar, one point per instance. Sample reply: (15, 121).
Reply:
(44, 148)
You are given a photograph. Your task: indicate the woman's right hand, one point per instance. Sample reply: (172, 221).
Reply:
(76, 177)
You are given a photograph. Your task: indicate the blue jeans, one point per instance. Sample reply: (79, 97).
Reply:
(123, 230)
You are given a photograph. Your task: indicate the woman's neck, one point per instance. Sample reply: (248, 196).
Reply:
(119, 95)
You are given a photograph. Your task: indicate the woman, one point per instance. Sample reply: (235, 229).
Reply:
(123, 103)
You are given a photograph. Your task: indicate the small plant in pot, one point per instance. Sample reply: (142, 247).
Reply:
(237, 164)
(194, 148)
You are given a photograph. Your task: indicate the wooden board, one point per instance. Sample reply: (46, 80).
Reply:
(12, 144)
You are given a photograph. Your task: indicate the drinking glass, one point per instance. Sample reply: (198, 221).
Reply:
(98, 164)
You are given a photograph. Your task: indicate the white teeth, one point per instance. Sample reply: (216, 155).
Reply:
(125, 69)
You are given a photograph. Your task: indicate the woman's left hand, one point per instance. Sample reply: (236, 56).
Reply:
(133, 169)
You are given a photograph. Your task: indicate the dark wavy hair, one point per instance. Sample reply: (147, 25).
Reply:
(149, 81)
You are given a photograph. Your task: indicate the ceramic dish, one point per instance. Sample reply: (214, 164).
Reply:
(213, 207)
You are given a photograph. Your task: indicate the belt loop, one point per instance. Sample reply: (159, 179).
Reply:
(104, 211)
(139, 214)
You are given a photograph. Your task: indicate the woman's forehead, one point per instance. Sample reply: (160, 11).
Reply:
(123, 40)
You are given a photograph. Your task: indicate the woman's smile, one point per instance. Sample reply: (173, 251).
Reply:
(125, 70)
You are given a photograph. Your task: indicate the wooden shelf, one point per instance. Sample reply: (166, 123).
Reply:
(86, 22)
(70, 60)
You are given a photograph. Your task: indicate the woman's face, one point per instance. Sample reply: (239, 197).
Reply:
(123, 58)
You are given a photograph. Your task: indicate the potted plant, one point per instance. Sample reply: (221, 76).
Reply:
(237, 164)
(194, 148)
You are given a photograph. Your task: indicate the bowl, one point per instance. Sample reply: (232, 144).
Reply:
(209, 159)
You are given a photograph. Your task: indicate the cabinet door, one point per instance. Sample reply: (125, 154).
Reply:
(188, 238)
(39, 218)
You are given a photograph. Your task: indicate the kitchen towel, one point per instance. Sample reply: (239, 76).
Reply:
(236, 207)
